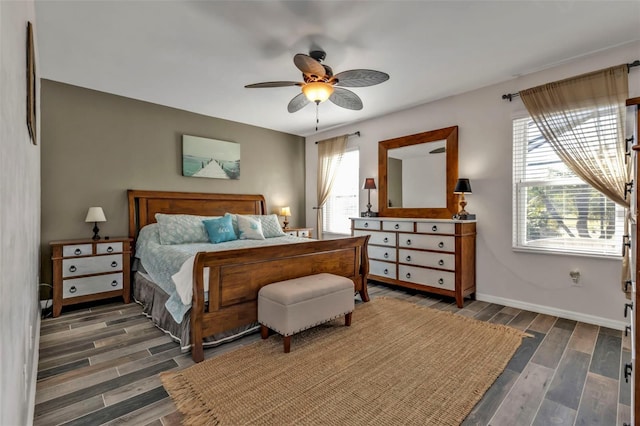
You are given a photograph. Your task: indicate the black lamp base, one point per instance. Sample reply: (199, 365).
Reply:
(95, 231)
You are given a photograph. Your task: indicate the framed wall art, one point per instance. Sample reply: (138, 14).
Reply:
(210, 158)
(31, 86)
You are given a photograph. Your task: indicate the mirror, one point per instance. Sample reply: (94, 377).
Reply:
(417, 174)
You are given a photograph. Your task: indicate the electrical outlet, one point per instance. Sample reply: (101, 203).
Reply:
(575, 278)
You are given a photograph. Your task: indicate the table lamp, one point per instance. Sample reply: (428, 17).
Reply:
(95, 215)
(463, 186)
(369, 184)
(286, 212)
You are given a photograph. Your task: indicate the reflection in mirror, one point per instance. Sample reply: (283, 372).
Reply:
(410, 168)
(417, 174)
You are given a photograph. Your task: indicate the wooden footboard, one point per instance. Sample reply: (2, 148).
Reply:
(236, 276)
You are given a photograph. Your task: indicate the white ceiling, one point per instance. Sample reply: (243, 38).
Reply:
(199, 55)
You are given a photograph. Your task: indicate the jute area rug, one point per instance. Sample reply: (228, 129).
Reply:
(398, 363)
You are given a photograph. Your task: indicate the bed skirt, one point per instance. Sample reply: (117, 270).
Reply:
(152, 298)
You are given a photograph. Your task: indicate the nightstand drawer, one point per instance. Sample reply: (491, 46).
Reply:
(91, 265)
(77, 250)
(303, 233)
(106, 248)
(91, 285)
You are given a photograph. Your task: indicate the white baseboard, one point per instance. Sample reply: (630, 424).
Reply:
(542, 309)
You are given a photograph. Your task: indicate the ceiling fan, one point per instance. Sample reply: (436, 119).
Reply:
(319, 83)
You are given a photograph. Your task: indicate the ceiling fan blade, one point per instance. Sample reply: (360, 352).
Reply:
(308, 65)
(346, 99)
(297, 103)
(360, 78)
(273, 84)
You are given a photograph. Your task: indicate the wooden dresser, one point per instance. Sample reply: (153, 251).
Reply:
(87, 270)
(432, 255)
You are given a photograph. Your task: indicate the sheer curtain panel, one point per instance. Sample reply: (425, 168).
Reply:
(330, 152)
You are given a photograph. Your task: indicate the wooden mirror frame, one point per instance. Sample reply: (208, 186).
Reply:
(450, 134)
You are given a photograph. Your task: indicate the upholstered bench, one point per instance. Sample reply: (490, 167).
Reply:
(290, 306)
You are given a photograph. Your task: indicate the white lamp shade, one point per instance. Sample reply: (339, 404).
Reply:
(285, 211)
(95, 214)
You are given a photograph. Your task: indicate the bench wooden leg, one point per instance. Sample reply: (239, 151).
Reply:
(287, 344)
(347, 319)
(264, 331)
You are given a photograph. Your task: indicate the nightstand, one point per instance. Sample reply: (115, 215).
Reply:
(299, 232)
(88, 270)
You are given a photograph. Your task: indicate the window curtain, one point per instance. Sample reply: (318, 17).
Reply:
(330, 152)
(562, 111)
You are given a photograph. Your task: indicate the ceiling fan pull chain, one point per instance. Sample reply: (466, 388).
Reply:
(317, 118)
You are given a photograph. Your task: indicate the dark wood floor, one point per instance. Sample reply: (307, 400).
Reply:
(100, 365)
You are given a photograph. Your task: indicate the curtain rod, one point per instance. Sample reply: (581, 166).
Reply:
(350, 134)
(510, 96)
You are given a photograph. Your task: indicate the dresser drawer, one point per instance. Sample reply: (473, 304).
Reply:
(75, 287)
(378, 238)
(427, 258)
(107, 248)
(77, 250)
(382, 253)
(91, 265)
(427, 242)
(397, 226)
(366, 224)
(430, 277)
(436, 228)
(382, 269)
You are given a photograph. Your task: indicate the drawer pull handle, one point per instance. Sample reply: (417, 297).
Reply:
(77, 252)
(386, 255)
(408, 242)
(440, 281)
(408, 258)
(397, 226)
(627, 371)
(366, 224)
(408, 275)
(73, 289)
(626, 307)
(114, 283)
(72, 268)
(386, 240)
(626, 286)
(440, 262)
(440, 244)
(627, 330)
(434, 228)
(109, 249)
(114, 264)
(386, 271)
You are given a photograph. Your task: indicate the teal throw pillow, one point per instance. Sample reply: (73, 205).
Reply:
(220, 230)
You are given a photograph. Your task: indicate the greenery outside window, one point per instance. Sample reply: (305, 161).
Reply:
(555, 210)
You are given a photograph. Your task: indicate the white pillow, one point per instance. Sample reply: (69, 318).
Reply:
(249, 228)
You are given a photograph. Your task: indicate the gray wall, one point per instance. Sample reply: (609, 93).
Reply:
(19, 223)
(95, 146)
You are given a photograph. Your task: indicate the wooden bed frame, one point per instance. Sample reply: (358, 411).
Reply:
(236, 276)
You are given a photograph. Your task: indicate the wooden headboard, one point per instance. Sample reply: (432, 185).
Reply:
(143, 205)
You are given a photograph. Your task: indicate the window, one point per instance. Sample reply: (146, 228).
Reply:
(343, 202)
(555, 210)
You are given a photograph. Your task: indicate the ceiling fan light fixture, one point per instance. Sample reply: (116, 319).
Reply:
(317, 91)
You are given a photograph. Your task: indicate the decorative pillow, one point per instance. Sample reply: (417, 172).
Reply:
(271, 226)
(250, 228)
(220, 230)
(182, 228)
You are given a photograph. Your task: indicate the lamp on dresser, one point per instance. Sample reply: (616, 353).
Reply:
(369, 184)
(95, 215)
(286, 212)
(463, 186)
